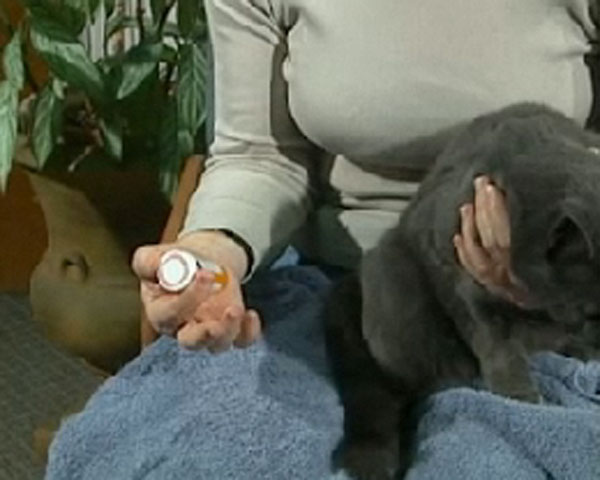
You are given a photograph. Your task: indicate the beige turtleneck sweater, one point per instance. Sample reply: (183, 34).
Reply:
(309, 93)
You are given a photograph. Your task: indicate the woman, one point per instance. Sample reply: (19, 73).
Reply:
(314, 101)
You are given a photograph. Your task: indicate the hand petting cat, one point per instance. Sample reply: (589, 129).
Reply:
(483, 244)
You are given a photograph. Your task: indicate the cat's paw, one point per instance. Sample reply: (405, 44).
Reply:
(369, 461)
(529, 397)
(525, 394)
(516, 385)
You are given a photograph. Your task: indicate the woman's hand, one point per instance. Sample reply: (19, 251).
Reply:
(199, 316)
(483, 244)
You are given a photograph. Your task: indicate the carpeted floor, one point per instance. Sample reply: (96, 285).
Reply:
(38, 383)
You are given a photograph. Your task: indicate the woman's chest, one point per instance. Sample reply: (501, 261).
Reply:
(365, 76)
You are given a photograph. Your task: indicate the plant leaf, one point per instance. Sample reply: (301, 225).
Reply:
(169, 54)
(46, 125)
(58, 86)
(67, 58)
(109, 7)
(157, 7)
(171, 29)
(188, 14)
(121, 21)
(115, 23)
(112, 134)
(72, 20)
(13, 62)
(9, 102)
(140, 62)
(191, 88)
(92, 7)
(87, 8)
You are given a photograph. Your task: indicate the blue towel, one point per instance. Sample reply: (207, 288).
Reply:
(270, 412)
(468, 434)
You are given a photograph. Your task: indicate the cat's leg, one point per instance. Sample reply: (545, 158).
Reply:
(503, 358)
(408, 332)
(369, 450)
(388, 357)
(505, 371)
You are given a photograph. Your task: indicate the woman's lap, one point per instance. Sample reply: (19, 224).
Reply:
(268, 412)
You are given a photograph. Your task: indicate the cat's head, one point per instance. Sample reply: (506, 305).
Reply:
(549, 168)
(555, 246)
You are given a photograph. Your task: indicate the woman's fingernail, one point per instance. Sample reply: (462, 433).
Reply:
(482, 182)
(206, 276)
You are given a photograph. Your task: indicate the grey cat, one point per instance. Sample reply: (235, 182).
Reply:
(412, 321)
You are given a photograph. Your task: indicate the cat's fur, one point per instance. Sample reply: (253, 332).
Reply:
(413, 321)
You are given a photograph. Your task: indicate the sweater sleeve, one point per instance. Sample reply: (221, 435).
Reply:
(258, 175)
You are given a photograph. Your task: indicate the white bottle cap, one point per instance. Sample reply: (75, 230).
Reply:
(176, 270)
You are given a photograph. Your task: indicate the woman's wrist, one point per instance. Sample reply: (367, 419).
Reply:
(219, 247)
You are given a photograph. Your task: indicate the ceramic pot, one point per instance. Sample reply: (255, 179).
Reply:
(83, 292)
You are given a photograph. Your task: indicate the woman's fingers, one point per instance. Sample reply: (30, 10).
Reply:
(471, 255)
(237, 328)
(168, 311)
(215, 334)
(483, 245)
(484, 227)
(195, 336)
(200, 316)
(492, 222)
(232, 321)
(498, 213)
(197, 292)
(146, 260)
(250, 329)
(161, 309)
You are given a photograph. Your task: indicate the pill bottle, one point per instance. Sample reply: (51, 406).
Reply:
(178, 267)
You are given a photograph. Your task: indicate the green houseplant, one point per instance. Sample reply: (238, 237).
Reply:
(147, 100)
(102, 125)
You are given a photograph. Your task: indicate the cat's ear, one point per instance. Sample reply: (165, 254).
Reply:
(569, 242)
